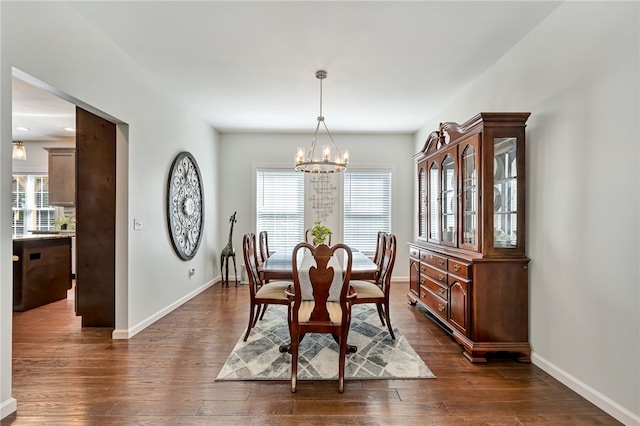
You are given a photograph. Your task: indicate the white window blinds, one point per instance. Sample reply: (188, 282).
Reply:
(30, 204)
(280, 207)
(367, 208)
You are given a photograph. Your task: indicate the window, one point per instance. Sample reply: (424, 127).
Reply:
(280, 207)
(30, 204)
(367, 208)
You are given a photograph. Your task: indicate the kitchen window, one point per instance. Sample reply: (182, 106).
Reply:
(30, 204)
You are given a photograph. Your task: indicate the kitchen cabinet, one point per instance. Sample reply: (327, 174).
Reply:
(469, 261)
(62, 176)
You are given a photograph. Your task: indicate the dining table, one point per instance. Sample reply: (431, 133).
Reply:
(278, 266)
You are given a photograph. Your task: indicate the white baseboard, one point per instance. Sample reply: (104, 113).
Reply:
(7, 407)
(611, 407)
(130, 332)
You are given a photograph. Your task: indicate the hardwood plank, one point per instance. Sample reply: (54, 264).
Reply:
(66, 375)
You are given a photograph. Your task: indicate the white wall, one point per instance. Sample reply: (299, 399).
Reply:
(52, 43)
(578, 74)
(244, 152)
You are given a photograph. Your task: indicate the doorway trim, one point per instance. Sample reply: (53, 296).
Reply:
(122, 202)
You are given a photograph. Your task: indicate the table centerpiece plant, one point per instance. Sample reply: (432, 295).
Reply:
(319, 232)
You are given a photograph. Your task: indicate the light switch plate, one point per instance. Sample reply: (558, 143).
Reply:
(137, 224)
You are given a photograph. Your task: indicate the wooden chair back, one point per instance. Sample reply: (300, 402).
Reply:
(377, 258)
(387, 261)
(264, 246)
(251, 263)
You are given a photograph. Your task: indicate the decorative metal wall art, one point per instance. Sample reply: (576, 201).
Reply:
(185, 205)
(323, 197)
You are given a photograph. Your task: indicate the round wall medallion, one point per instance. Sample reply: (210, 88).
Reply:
(185, 205)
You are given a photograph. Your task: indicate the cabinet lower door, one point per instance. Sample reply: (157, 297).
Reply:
(414, 277)
(459, 305)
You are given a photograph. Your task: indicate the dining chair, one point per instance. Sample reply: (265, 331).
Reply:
(261, 293)
(308, 238)
(378, 291)
(321, 300)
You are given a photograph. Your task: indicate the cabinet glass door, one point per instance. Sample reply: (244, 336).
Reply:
(469, 196)
(448, 197)
(422, 211)
(434, 195)
(505, 193)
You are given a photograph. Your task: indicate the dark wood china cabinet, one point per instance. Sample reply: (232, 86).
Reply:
(468, 267)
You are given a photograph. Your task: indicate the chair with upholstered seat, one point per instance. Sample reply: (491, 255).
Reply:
(378, 291)
(321, 300)
(261, 293)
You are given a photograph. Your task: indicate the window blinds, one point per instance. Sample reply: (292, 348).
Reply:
(280, 207)
(367, 208)
(30, 204)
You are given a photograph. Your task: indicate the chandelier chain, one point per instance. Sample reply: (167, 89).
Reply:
(320, 117)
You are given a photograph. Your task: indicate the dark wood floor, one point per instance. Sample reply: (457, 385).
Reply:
(65, 375)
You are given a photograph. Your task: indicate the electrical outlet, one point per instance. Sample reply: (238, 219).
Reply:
(192, 272)
(137, 224)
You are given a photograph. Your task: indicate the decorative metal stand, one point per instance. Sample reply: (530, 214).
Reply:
(227, 252)
(324, 195)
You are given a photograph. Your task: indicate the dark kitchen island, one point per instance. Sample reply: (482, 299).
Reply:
(42, 270)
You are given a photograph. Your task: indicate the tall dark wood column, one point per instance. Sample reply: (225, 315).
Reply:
(95, 219)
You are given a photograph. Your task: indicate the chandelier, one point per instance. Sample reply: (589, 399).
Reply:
(325, 163)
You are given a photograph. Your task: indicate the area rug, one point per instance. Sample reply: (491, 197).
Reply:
(378, 356)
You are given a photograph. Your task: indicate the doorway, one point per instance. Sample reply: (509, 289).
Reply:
(96, 184)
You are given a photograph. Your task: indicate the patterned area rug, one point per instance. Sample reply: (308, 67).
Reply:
(378, 356)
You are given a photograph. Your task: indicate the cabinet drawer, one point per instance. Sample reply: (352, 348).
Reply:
(433, 259)
(437, 305)
(436, 274)
(437, 288)
(459, 268)
(414, 252)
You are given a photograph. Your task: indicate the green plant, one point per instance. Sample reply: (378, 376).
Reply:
(319, 232)
(62, 222)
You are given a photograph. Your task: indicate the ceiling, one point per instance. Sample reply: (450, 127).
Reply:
(250, 66)
(44, 114)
